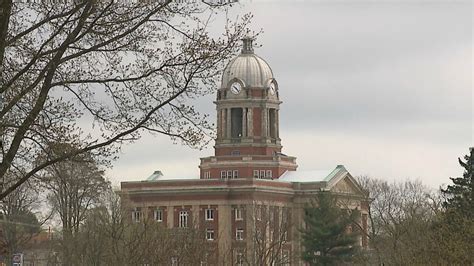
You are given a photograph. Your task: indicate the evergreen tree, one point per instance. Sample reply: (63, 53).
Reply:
(454, 232)
(328, 237)
(461, 193)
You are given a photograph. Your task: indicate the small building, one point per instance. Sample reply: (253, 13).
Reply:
(38, 250)
(249, 197)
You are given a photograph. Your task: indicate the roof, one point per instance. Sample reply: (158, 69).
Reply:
(311, 176)
(155, 176)
(248, 67)
(338, 180)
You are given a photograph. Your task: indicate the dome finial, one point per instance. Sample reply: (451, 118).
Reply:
(247, 45)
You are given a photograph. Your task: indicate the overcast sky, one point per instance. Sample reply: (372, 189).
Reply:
(382, 87)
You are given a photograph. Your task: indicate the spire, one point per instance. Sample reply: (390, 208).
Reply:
(247, 45)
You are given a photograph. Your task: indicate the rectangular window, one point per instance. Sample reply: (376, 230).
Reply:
(258, 213)
(209, 214)
(210, 234)
(235, 174)
(285, 212)
(271, 234)
(223, 174)
(136, 215)
(229, 174)
(159, 215)
(174, 261)
(239, 259)
(239, 234)
(255, 174)
(269, 174)
(285, 260)
(238, 214)
(207, 175)
(262, 174)
(183, 219)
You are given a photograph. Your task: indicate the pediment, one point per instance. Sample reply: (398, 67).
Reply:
(345, 184)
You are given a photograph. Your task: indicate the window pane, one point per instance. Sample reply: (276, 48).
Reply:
(210, 234)
(183, 219)
(238, 214)
(159, 215)
(239, 234)
(258, 212)
(255, 174)
(269, 174)
(136, 215)
(209, 214)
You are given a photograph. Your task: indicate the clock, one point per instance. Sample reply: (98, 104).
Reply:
(272, 88)
(235, 88)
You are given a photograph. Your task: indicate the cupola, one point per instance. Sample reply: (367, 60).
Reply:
(251, 69)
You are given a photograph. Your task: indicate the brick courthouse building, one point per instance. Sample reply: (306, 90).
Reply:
(250, 197)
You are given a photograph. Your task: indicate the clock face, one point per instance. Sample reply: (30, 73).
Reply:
(272, 88)
(235, 88)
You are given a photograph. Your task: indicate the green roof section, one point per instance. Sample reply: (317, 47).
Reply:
(336, 170)
(155, 176)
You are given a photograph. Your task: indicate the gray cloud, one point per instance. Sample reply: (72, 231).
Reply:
(382, 87)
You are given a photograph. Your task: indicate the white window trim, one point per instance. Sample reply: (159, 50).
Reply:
(269, 174)
(239, 234)
(210, 234)
(183, 219)
(238, 214)
(262, 174)
(256, 174)
(158, 218)
(209, 214)
(239, 258)
(174, 261)
(285, 235)
(223, 174)
(258, 212)
(136, 215)
(285, 254)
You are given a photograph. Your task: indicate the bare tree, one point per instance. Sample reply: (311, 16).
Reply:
(401, 216)
(109, 237)
(18, 219)
(268, 237)
(129, 67)
(74, 186)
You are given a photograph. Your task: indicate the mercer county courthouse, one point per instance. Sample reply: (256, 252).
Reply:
(250, 197)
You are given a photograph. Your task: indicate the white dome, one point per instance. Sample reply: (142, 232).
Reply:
(248, 67)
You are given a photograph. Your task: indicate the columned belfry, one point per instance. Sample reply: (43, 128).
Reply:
(248, 143)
